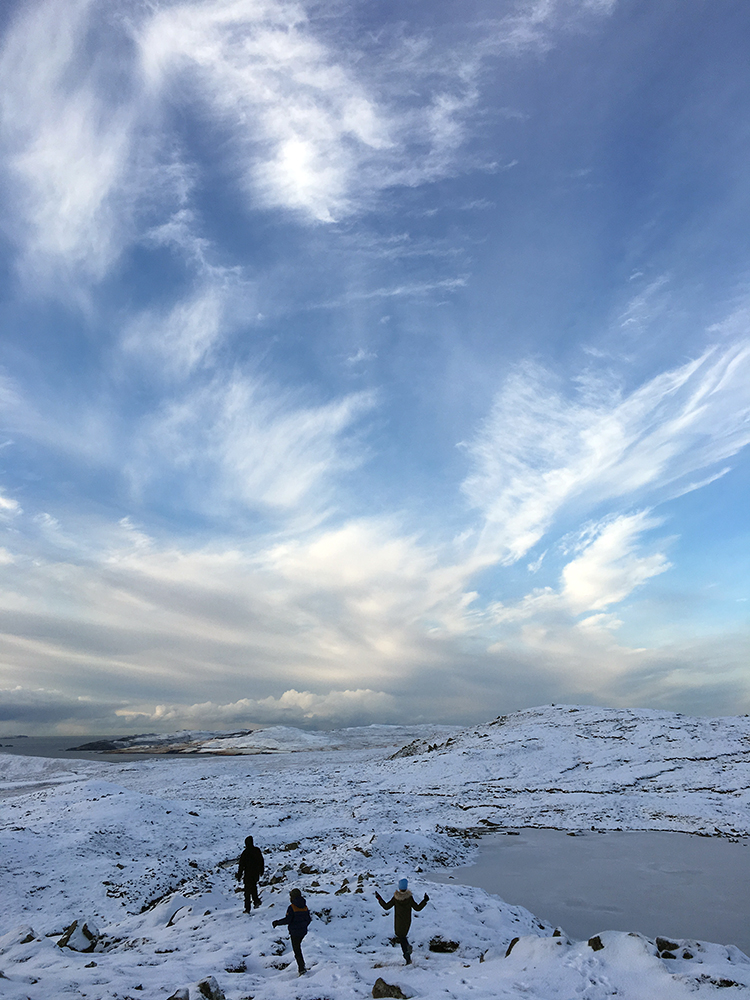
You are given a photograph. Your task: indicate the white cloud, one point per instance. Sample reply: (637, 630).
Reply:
(538, 451)
(341, 708)
(238, 439)
(535, 24)
(318, 127)
(644, 308)
(355, 623)
(312, 125)
(216, 440)
(184, 335)
(9, 506)
(66, 142)
(609, 569)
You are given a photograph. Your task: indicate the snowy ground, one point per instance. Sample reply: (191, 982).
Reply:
(146, 850)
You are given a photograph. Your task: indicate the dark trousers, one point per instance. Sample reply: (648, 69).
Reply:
(297, 949)
(251, 893)
(405, 948)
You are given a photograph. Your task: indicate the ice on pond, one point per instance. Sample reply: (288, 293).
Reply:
(656, 883)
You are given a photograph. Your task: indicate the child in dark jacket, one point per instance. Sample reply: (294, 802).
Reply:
(403, 903)
(297, 919)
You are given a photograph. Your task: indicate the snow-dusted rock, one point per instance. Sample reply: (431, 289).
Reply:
(204, 989)
(23, 934)
(384, 989)
(442, 945)
(81, 935)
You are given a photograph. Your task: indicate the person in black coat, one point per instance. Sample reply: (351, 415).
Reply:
(250, 868)
(402, 902)
(297, 919)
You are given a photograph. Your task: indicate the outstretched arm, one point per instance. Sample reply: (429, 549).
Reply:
(386, 906)
(421, 906)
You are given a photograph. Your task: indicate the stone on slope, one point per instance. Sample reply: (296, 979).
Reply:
(81, 935)
(204, 989)
(384, 989)
(23, 934)
(443, 945)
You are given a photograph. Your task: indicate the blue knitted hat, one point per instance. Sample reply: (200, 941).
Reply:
(403, 884)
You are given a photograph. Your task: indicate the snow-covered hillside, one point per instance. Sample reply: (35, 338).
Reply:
(146, 851)
(613, 769)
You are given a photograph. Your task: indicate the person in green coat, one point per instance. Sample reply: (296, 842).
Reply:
(402, 903)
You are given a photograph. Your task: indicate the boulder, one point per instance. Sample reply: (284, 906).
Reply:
(210, 989)
(664, 944)
(205, 989)
(81, 935)
(443, 945)
(596, 943)
(23, 934)
(384, 989)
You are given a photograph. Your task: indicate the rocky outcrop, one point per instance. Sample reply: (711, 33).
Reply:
(81, 935)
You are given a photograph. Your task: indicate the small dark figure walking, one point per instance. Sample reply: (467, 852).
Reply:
(250, 868)
(297, 920)
(403, 903)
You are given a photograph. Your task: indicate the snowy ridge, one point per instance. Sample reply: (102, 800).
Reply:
(287, 739)
(274, 739)
(147, 851)
(569, 766)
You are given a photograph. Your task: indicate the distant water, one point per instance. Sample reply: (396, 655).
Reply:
(57, 746)
(668, 884)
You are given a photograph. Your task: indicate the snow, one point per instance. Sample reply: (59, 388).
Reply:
(146, 851)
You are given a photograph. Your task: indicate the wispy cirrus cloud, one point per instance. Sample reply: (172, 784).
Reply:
(181, 337)
(218, 443)
(316, 128)
(535, 24)
(309, 125)
(539, 450)
(67, 140)
(92, 159)
(239, 440)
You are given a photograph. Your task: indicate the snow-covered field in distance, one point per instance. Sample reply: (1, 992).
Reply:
(146, 850)
(271, 739)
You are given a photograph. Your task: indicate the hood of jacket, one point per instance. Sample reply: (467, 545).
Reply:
(401, 894)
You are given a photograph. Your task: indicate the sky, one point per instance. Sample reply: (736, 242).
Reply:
(372, 363)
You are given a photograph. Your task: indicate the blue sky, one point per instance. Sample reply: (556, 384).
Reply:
(372, 362)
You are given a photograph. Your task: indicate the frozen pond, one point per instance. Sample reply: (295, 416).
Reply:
(670, 884)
